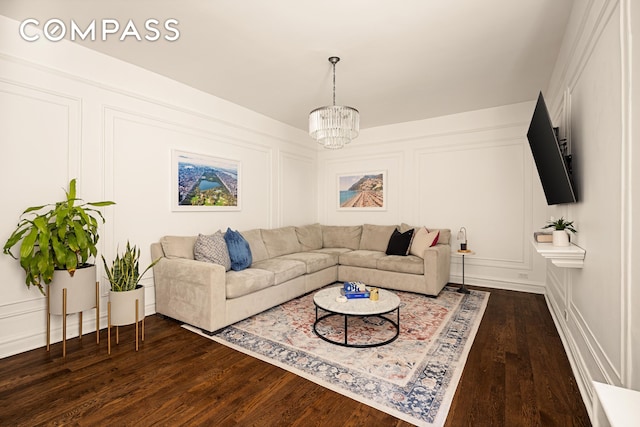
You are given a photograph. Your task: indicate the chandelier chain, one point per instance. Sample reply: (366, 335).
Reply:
(334, 83)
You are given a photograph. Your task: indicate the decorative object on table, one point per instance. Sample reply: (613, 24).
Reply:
(362, 191)
(336, 125)
(205, 183)
(462, 236)
(126, 297)
(414, 378)
(58, 240)
(561, 227)
(374, 294)
(352, 290)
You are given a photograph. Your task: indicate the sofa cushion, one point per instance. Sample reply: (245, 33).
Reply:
(239, 250)
(213, 249)
(399, 243)
(310, 237)
(445, 234)
(422, 240)
(376, 237)
(410, 264)
(338, 236)
(178, 246)
(284, 269)
(361, 258)
(254, 238)
(249, 280)
(280, 241)
(314, 261)
(333, 252)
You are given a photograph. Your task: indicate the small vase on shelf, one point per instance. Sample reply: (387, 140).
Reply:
(560, 238)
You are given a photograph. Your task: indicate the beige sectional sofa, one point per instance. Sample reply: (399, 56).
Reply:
(288, 262)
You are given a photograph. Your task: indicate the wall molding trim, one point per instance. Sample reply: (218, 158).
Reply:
(148, 99)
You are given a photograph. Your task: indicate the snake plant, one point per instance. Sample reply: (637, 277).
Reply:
(123, 273)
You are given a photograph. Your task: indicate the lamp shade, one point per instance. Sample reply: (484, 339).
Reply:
(334, 126)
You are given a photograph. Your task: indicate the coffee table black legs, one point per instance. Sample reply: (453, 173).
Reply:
(345, 343)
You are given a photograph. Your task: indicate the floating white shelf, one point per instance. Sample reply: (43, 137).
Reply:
(615, 406)
(563, 256)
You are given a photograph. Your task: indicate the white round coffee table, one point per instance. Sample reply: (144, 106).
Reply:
(387, 302)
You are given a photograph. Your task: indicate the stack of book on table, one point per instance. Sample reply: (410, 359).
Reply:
(355, 290)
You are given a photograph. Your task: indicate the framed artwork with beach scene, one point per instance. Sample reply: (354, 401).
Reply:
(363, 191)
(204, 183)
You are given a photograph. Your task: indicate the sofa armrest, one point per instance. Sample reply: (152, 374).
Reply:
(191, 291)
(437, 266)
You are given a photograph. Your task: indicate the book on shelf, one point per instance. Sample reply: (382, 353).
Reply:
(543, 237)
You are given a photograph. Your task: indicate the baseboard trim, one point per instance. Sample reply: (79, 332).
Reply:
(485, 282)
(578, 369)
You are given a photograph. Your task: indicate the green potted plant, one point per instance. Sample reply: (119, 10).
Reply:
(58, 239)
(126, 297)
(560, 231)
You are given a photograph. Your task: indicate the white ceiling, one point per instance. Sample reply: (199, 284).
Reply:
(400, 60)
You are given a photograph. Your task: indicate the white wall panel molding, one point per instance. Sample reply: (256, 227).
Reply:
(348, 162)
(123, 127)
(584, 30)
(596, 356)
(49, 122)
(206, 102)
(594, 70)
(586, 356)
(296, 188)
(72, 107)
(186, 126)
(472, 178)
(627, 196)
(509, 120)
(575, 356)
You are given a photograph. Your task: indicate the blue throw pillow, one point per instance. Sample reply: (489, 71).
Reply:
(239, 250)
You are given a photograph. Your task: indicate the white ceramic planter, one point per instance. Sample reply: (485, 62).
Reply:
(123, 306)
(560, 238)
(81, 290)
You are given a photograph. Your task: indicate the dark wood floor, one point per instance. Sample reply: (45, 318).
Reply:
(517, 374)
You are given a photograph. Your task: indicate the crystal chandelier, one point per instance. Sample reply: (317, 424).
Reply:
(336, 125)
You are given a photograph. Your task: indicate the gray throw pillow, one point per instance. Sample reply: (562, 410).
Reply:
(213, 249)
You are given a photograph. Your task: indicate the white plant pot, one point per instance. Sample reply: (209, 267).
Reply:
(123, 306)
(560, 238)
(81, 290)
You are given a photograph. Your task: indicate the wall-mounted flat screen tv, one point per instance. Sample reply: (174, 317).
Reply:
(552, 161)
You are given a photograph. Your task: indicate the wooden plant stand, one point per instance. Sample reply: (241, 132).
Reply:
(64, 319)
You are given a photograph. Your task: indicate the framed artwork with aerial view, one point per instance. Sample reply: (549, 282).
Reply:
(363, 191)
(204, 183)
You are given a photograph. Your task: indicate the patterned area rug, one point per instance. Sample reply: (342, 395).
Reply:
(413, 378)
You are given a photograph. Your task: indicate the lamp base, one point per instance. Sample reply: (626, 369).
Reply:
(463, 246)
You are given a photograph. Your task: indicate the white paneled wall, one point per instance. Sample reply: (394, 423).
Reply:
(66, 112)
(472, 169)
(592, 306)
